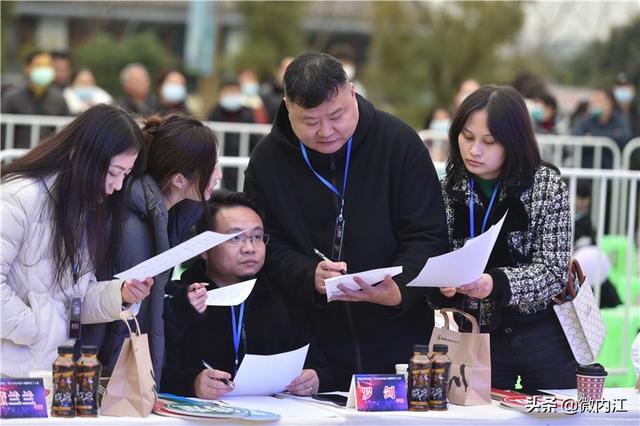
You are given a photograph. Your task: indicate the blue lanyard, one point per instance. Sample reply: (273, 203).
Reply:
(472, 232)
(236, 329)
(326, 182)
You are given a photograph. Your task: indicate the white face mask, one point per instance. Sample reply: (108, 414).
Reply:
(174, 93)
(441, 125)
(350, 70)
(231, 102)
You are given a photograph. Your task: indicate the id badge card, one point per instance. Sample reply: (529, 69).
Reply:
(338, 238)
(75, 314)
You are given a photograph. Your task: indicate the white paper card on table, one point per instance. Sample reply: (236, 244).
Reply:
(175, 256)
(462, 266)
(261, 375)
(370, 277)
(230, 295)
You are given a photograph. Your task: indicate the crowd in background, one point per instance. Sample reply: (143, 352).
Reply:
(54, 86)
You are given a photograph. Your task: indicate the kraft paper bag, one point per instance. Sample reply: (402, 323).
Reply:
(470, 354)
(131, 391)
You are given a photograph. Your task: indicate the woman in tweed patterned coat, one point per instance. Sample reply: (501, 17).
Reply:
(494, 160)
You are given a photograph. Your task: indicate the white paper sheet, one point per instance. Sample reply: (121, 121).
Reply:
(462, 266)
(261, 375)
(175, 256)
(287, 408)
(370, 277)
(230, 295)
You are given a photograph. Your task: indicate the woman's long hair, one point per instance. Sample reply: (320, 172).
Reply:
(510, 125)
(180, 143)
(80, 155)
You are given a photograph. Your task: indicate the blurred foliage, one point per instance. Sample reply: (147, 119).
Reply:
(601, 61)
(6, 18)
(105, 56)
(421, 51)
(273, 31)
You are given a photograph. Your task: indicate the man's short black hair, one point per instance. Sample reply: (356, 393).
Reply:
(225, 199)
(312, 78)
(59, 54)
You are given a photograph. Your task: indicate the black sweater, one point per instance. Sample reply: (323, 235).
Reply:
(394, 216)
(269, 328)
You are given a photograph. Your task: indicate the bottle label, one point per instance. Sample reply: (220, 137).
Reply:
(63, 403)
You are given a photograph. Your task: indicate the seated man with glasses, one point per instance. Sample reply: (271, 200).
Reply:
(263, 324)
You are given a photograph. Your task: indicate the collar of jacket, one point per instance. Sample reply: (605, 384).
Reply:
(508, 199)
(289, 142)
(147, 202)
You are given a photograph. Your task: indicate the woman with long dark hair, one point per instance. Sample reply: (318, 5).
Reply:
(165, 203)
(494, 167)
(61, 215)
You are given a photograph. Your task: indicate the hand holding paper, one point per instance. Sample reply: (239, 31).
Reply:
(175, 256)
(230, 295)
(370, 277)
(460, 267)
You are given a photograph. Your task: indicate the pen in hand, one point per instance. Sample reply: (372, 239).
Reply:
(225, 381)
(323, 257)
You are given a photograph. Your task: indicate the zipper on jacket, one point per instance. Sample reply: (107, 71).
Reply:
(352, 327)
(356, 341)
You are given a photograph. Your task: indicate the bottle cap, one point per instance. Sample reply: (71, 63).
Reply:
(65, 350)
(421, 348)
(89, 349)
(441, 348)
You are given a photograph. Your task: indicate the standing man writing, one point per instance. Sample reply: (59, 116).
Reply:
(357, 184)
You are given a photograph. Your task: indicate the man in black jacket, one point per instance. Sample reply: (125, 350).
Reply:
(196, 332)
(357, 184)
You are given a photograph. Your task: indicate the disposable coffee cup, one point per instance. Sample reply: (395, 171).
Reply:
(47, 381)
(590, 381)
(404, 370)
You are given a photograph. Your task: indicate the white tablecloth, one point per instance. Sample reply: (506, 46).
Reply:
(469, 416)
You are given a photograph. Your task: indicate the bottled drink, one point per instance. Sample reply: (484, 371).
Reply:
(64, 383)
(440, 366)
(88, 377)
(419, 378)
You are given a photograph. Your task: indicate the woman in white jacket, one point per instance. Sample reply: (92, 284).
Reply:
(60, 207)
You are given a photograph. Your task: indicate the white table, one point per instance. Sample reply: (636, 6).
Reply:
(456, 415)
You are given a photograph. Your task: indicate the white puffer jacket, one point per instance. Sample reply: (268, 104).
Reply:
(35, 312)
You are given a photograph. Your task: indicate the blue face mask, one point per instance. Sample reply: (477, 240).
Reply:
(596, 111)
(623, 95)
(85, 93)
(230, 102)
(174, 93)
(250, 89)
(441, 125)
(537, 113)
(42, 76)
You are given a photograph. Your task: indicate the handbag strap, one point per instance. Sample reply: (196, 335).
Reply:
(127, 315)
(574, 269)
(471, 318)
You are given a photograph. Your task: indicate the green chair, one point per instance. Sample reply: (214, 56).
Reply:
(616, 248)
(612, 355)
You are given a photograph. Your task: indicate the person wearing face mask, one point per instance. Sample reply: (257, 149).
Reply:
(172, 92)
(273, 91)
(231, 110)
(250, 89)
(347, 57)
(438, 120)
(182, 171)
(37, 97)
(625, 93)
(603, 119)
(83, 92)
